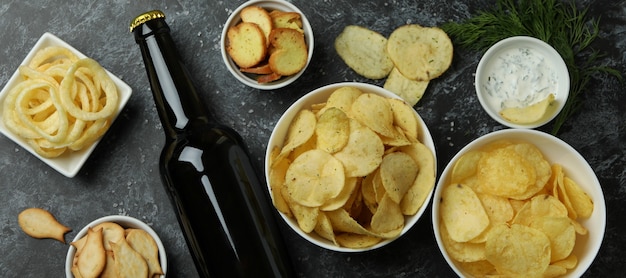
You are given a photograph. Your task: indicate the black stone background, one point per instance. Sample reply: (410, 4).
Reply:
(121, 177)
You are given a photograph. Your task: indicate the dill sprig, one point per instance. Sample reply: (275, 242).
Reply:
(563, 26)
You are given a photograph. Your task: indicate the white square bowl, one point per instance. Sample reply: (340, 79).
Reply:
(69, 163)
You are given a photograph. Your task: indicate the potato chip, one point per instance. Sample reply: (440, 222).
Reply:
(343, 98)
(479, 268)
(539, 206)
(369, 193)
(554, 271)
(388, 217)
(518, 250)
(461, 251)
(420, 53)
(465, 166)
(581, 202)
(462, 213)
(278, 170)
(404, 118)
(343, 196)
(568, 263)
(325, 229)
(408, 89)
(528, 114)
(498, 209)
(374, 112)
(357, 241)
(364, 51)
(543, 170)
(314, 178)
(561, 233)
(505, 173)
(397, 172)
(363, 153)
(332, 130)
(301, 129)
(424, 182)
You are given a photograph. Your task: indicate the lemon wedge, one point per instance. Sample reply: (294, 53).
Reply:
(528, 114)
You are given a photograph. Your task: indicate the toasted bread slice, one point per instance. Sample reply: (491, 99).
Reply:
(290, 20)
(259, 16)
(289, 53)
(246, 44)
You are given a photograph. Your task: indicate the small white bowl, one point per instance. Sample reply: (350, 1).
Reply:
(125, 222)
(249, 79)
(507, 77)
(320, 95)
(575, 167)
(69, 163)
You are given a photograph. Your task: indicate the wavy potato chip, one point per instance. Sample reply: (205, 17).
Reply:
(397, 172)
(404, 118)
(561, 233)
(374, 112)
(465, 166)
(314, 178)
(518, 250)
(580, 201)
(363, 153)
(408, 89)
(425, 180)
(332, 130)
(420, 53)
(388, 217)
(364, 51)
(505, 173)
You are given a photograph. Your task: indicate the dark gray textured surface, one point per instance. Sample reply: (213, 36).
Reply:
(121, 177)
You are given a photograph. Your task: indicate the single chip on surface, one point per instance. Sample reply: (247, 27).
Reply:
(420, 53)
(364, 51)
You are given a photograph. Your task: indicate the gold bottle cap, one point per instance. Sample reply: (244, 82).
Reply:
(145, 17)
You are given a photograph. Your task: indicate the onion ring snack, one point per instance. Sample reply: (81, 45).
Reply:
(64, 103)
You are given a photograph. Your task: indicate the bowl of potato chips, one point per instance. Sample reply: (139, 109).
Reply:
(522, 82)
(267, 44)
(59, 104)
(519, 202)
(350, 167)
(116, 246)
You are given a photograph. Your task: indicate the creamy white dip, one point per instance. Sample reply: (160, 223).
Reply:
(519, 77)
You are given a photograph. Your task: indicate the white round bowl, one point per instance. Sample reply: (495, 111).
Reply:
(249, 79)
(320, 95)
(575, 167)
(125, 222)
(508, 64)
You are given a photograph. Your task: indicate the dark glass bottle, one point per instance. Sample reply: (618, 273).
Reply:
(220, 203)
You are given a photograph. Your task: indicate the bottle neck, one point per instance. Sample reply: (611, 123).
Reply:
(178, 104)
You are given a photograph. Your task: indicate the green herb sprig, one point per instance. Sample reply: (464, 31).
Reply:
(563, 26)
